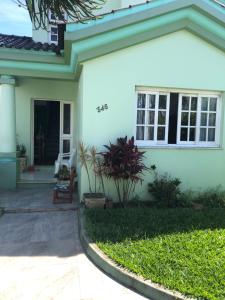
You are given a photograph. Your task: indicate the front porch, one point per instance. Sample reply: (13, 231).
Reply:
(39, 114)
(40, 176)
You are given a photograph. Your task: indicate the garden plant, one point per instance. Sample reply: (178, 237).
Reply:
(91, 161)
(123, 164)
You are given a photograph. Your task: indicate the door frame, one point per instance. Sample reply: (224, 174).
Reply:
(61, 138)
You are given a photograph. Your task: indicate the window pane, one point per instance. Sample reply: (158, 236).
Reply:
(141, 117)
(194, 101)
(53, 16)
(66, 119)
(162, 117)
(213, 104)
(150, 133)
(204, 119)
(212, 119)
(193, 118)
(203, 134)
(211, 134)
(184, 134)
(54, 38)
(66, 146)
(184, 118)
(141, 101)
(162, 101)
(161, 134)
(152, 101)
(140, 133)
(185, 103)
(54, 30)
(192, 135)
(151, 117)
(205, 103)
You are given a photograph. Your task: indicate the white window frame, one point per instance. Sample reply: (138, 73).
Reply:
(197, 142)
(57, 35)
(218, 121)
(192, 143)
(181, 144)
(64, 136)
(56, 21)
(156, 125)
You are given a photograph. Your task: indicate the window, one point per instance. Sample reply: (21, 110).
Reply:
(169, 118)
(152, 117)
(53, 18)
(53, 32)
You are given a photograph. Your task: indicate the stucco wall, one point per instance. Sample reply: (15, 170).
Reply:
(179, 60)
(40, 35)
(28, 89)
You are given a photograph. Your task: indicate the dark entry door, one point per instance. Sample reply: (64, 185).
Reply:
(46, 131)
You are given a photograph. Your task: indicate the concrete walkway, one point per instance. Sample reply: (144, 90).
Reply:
(32, 199)
(41, 259)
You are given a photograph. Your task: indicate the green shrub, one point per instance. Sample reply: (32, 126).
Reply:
(165, 190)
(166, 193)
(212, 198)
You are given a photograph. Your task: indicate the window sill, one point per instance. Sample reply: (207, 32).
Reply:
(179, 147)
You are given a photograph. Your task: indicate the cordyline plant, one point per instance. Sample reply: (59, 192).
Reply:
(123, 163)
(91, 161)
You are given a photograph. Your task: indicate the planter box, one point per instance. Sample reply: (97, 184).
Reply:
(94, 200)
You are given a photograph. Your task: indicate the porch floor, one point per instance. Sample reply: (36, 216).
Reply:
(40, 174)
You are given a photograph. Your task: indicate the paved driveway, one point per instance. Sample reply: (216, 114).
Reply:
(41, 258)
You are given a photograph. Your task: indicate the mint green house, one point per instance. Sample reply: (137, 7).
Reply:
(160, 68)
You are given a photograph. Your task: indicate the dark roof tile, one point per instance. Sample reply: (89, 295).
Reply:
(27, 43)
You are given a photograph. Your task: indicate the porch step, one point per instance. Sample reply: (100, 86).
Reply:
(29, 184)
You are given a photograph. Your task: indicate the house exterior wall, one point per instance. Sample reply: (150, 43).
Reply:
(40, 35)
(125, 3)
(79, 126)
(109, 6)
(179, 60)
(28, 89)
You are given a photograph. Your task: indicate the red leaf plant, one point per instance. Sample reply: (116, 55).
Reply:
(123, 163)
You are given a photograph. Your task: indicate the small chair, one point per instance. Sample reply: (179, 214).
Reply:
(62, 161)
(65, 190)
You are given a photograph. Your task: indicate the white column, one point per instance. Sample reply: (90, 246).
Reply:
(7, 115)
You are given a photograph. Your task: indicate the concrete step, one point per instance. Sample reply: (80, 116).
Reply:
(29, 184)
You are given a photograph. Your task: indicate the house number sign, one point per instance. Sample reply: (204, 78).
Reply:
(102, 108)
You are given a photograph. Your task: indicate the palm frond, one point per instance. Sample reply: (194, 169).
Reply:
(76, 10)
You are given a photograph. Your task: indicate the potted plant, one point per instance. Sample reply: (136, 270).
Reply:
(21, 155)
(63, 174)
(123, 164)
(91, 162)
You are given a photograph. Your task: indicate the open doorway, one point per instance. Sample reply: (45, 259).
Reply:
(46, 131)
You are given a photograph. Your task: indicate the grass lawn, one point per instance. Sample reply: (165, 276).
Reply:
(182, 249)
